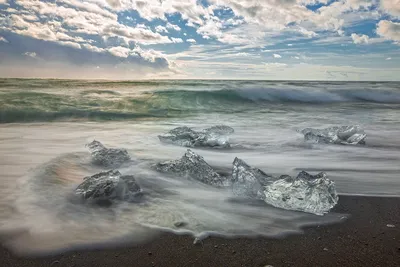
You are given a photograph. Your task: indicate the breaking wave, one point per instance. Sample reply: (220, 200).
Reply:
(279, 95)
(106, 103)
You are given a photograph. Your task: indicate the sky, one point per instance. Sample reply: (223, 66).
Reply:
(203, 39)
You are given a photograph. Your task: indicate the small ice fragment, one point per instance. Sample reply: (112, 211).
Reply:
(346, 135)
(216, 136)
(390, 225)
(107, 157)
(107, 186)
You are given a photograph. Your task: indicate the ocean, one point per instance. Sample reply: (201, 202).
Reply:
(45, 124)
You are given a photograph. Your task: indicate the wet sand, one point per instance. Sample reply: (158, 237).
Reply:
(366, 238)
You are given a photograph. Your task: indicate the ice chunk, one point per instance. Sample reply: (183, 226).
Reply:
(307, 193)
(248, 181)
(220, 129)
(193, 166)
(107, 157)
(182, 136)
(107, 186)
(347, 135)
(216, 136)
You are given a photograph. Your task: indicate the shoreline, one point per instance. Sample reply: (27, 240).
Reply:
(364, 239)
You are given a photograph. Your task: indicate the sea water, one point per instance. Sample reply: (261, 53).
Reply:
(45, 125)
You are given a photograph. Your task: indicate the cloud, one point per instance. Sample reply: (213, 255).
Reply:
(139, 35)
(389, 30)
(307, 33)
(160, 28)
(3, 2)
(278, 15)
(74, 17)
(190, 10)
(389, 58)
(119, 51)
(360, 39)
(93, 48)
(176, 40)
(391, 6)
(242, 54)
(114, 3)
(30, 54)
(174, 27)
(70, 44)
(275, 65)
(109, 30)
(2, 39)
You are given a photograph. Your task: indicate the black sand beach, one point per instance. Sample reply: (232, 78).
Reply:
(365, 239)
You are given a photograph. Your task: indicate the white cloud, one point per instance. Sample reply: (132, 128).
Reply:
(119, 51)
(114, 3)
(307, 33)
(190, 24)
(391, 6)
(277, 56)
(93, 48)
(70, 44)
(139, 35)
(289, 44)
(65, 37)
(275, 65)
(176, 40)
(174, 27)
(74, 17)
(30, 54)
(193, 41)
(360, 39)
(389, 30)
(88, 7)
(242, 54)
(3, 2)
(190, 10)
(277, 15)
(160, 28)
(150, 55)
(233, 22)
(2, 39)
(389, 58)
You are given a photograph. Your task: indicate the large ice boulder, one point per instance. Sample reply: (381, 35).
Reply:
(307, 193)
(216, 136)
(248, 181)
(193, 166)
(105, 187)
(346, 135)
(107, 157)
